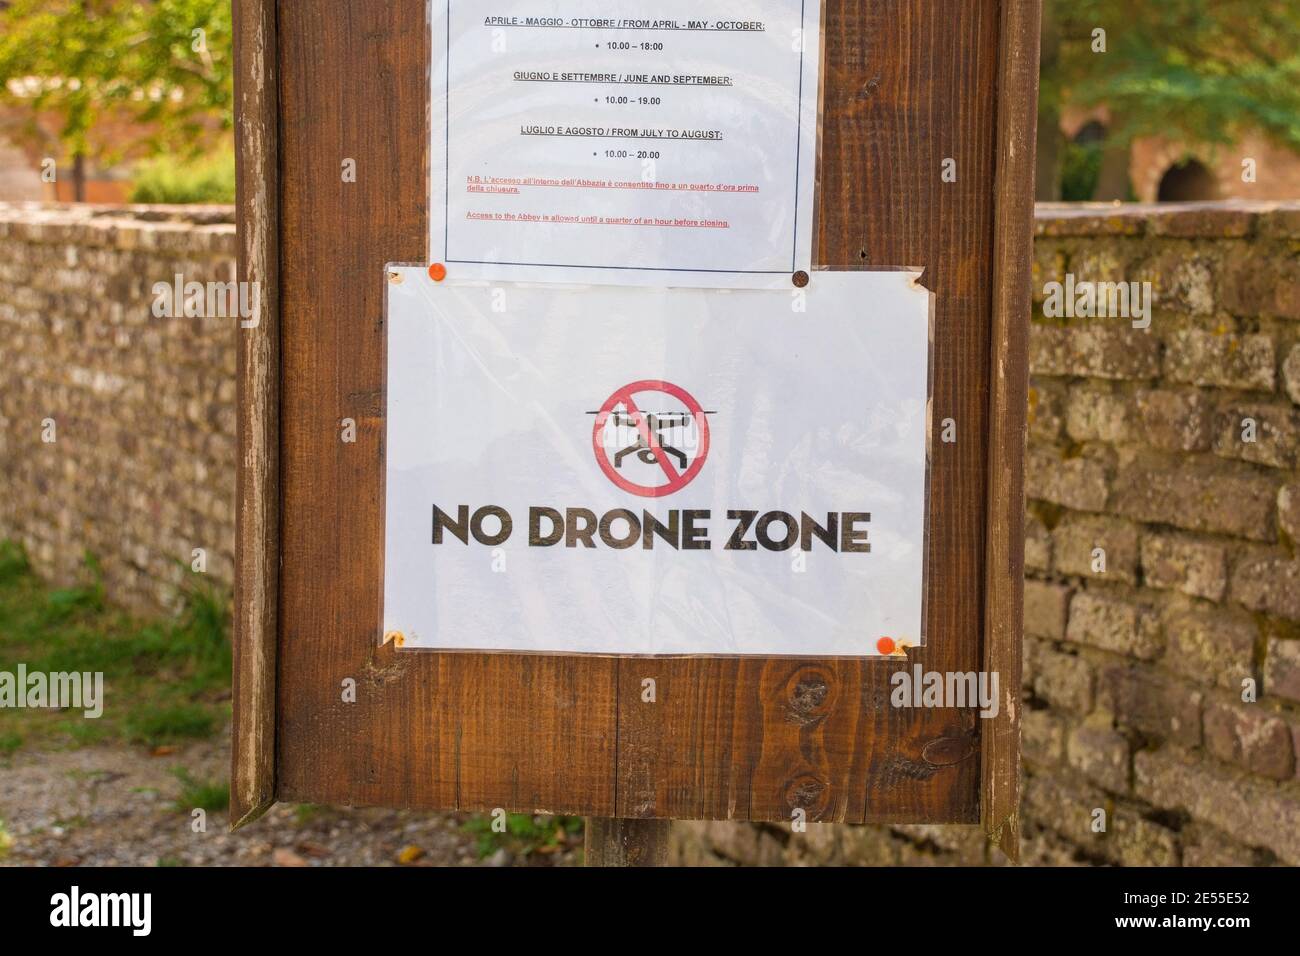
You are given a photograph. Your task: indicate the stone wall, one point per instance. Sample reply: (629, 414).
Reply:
(1133, 674)
(117, 428)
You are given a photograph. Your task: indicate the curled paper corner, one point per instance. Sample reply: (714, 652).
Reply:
(917, 279)
(894, 647)
(396, 638)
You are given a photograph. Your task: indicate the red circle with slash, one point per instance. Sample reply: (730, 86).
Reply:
(650, 439)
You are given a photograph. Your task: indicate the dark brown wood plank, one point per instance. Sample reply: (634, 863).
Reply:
(427, 730)
(257, 494)
(623, 842)
(906, 84)
(1009, 401)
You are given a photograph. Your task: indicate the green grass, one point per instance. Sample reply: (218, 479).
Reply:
(525, 834)
(168, 179)
(210, 795)
(164, 679)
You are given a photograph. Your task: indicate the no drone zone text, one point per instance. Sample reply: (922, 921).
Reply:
(679, 529)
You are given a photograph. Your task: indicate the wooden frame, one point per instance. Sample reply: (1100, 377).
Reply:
(257, 522)
(906, 84)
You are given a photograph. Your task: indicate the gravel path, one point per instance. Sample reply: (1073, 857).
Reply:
(115, 806)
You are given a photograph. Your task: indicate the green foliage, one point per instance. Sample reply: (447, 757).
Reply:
(13, 562)
(1080, 169)
(164, 680)
(167, 179)
(525, 834)
(169, 724)
(210, 795)
(160, 69)
(1196, 70)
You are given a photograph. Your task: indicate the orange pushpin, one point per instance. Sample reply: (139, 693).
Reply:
(885, 645)
(437, 272)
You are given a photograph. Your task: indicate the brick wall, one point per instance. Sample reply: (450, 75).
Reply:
(1134, 675)
(141, 471)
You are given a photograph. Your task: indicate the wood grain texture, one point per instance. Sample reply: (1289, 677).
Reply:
(257, 530)
(1008, 404)
(624, 842)
(907, 83)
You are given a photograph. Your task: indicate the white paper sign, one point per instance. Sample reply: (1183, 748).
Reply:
(606, 141)
(612, 470)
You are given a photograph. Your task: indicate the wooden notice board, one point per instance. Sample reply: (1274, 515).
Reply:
(907, 84)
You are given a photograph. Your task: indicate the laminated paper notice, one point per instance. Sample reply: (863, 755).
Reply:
(670, 143)
(656, 471)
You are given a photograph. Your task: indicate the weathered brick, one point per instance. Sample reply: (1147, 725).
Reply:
(1045, 609)
(1069, 810)
(1282, 669)
(1280, 221)
(1264, 434)
(1180, 282)
(1048, 266)
(1244, 288)
(1258, 814)
(1180, 563)
(1063, 680)
(1093, 352)
(1199, 221)
(1075, 544)
(1073, 219)
(1038, 544)
(1291, 374)
(1100, 752)
(964, 845)
(1078, 482)
(1095, 414)
(1216, 497)
(1042, 847)
(1269, 584)
(1227, 360)
(1286, 290)
(1173, 419)
(1116, 625)
(1288, 511)
(1042, 736)
(1046, 410)
(1136, 841)
(1247, 735)
(1212, 646)
(1148, 702)
(1204, 846)
(1029, 661)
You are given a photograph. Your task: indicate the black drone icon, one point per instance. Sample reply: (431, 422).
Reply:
(656, 424)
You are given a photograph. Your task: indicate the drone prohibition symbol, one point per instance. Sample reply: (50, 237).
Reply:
(651, 438)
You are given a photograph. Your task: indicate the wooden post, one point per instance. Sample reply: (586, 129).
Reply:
(622, 841)
(1004, 569)
(257, 494)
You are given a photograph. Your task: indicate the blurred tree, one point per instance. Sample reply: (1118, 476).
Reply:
(1200, 71)
(116, 76)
